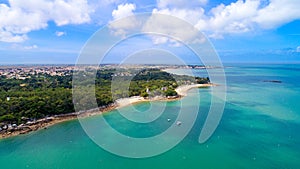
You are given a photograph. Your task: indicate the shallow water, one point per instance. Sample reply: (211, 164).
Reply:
(259, 129)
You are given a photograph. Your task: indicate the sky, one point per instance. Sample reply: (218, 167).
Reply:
(55, 31)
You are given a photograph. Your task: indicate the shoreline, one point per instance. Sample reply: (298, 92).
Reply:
(183, 90)
(123, 102)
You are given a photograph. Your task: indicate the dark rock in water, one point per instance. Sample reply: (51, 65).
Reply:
(273, 81)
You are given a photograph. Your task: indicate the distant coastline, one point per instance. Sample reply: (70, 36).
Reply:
(49, 121)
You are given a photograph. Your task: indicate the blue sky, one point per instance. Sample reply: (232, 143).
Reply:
(54, 31)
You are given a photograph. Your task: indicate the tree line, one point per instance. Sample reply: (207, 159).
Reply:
(44, 95)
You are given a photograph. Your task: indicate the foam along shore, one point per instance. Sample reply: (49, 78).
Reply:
(49, 121)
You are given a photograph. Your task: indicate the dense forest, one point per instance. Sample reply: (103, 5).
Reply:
(43, 95)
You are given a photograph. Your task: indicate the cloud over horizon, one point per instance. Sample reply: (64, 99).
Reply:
(236, 18)
(19, 17)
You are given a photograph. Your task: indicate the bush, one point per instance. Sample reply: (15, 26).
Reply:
(144, 94)
(8, 118)
(171, 92)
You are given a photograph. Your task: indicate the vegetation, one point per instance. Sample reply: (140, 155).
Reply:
(44, 95)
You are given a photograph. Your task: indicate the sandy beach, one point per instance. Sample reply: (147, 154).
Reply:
(128, 101)
(47, 122)
(183, 90)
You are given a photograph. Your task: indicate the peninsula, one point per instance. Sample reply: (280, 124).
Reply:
(37, 97)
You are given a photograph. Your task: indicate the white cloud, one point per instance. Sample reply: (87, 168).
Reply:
(59, 33)
(238, 17)
(20, 17)
(233, 18)
(6, 36)
(171, 29)
(70, 12)
(123, 10)
(159, 39)
(298, 49)
(157, 23)
(277, 13)
(122, 26)
(191, 16)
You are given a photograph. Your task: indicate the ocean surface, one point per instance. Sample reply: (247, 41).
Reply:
(260, 129)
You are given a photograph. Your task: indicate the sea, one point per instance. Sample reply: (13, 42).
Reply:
(259, 129)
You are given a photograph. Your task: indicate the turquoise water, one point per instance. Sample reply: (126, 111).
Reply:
(259, 129)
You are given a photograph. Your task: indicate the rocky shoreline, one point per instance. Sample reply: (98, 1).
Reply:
(14, 130)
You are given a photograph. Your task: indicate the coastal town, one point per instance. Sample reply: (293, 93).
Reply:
(23, 72)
